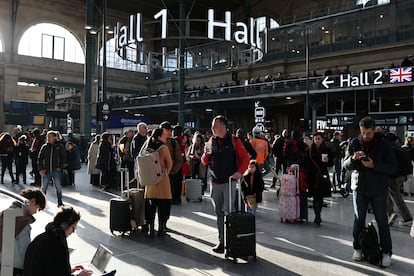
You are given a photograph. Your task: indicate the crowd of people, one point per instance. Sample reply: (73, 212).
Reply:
(370, 166)
(52, 158)
(219, 155)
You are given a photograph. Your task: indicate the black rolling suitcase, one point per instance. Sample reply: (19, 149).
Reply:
(240, 231)
(120, 209)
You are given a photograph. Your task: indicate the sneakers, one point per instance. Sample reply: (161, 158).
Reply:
(392, 219)
(386, 260)
(219, 248)
(357, 256)
(406, 222)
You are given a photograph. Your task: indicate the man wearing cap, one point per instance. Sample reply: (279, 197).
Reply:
(175, 174)
(261, 147)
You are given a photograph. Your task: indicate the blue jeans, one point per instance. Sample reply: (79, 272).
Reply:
(57, 176)
(379, 206)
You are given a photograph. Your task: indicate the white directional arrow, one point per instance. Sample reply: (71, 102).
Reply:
(326, 82)
(105, 117)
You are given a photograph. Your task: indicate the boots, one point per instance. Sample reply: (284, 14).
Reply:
(317, 206)
(151, 231)
(161, 230)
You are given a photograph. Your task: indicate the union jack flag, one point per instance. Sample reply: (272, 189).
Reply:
(404, 74)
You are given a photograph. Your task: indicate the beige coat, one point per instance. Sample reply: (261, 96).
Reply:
(161, 190)
(92, 157)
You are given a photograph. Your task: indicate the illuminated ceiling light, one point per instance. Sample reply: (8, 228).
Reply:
(55, 78)
(293, 51)
(107, 27)
(297, 52)
(360, 41)
(126, 110)
(326, 32)
(397, 103)
(273, 38)
(199, 53)
(323, 28)
(146, 77)
(232, 46)
(291, 40)
(110, 32)
(209, 110)
(95, 80)
(288, 98)
(88, 27)
(93, 32)
(381, 16)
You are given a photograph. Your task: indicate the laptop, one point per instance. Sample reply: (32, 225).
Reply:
(100, 260)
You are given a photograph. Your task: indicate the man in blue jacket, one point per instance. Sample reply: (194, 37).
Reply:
(372, 160)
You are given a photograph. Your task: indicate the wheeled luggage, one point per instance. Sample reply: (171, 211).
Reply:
(289, 207)
(120, 209)
(136, 197)
(193, 189)
(240, 231)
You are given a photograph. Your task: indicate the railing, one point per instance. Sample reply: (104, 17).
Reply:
(265, 89)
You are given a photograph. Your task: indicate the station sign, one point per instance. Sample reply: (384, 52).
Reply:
(340, 120)
(393, 119)
(396, 75)
(250, 33)
(259, 112)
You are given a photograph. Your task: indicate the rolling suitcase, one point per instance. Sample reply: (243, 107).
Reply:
(136, 197)
(120, 209)
(193, 189)
(240, 231)
(289, 199)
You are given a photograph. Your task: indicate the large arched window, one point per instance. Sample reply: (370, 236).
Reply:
(113, 60)
(51, 41)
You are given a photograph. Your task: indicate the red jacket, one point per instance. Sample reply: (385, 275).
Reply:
(242, 156)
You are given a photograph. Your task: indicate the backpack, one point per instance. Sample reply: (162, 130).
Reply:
(404, 157)
(150, 171)
(368, 240)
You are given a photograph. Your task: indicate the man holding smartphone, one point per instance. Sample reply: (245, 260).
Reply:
(373, 157)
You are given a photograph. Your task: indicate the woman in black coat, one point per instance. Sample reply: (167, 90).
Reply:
(318, 158)
(252, 185)
(106, 160)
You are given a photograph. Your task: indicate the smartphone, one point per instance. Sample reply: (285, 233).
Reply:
(364, 158)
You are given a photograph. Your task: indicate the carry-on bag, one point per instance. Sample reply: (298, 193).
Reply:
(289, 207)
(120, 208)
(240, 230)
(193, 189)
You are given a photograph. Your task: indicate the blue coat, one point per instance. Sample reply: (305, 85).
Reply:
(373, 182)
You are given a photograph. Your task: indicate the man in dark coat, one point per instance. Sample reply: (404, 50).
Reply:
(373, 161)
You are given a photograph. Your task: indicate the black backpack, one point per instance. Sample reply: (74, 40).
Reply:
(368, 240)
(404, 157)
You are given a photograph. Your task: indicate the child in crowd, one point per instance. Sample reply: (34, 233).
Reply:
(252, 186)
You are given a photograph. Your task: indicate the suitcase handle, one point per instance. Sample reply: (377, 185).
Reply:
(124, 179)
(238, 190)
